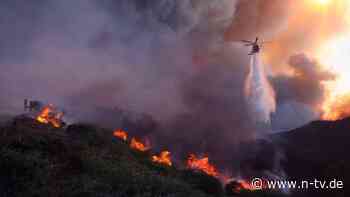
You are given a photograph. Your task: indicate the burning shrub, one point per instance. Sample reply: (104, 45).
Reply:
(121, 134)
(137, 145)
(50, 115)
(236, 187)
(163, 158)
(201, 164)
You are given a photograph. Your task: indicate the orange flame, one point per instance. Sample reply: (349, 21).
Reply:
(334, 56)
(237, 186)
(201, 164)
(163, 158)
(137, 145)
(121, 134)
(49, 115)
(244, 185)
(336, 107)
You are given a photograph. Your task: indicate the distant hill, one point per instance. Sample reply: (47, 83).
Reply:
(318, 150)
(5, 118)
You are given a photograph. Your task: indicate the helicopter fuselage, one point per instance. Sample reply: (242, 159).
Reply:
(255, 49)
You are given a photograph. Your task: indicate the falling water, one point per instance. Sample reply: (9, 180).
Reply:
(259, 93)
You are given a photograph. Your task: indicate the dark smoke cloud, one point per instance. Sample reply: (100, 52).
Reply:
(300, 95)
(305, 84)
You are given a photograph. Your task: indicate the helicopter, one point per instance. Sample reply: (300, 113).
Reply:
(256, 46)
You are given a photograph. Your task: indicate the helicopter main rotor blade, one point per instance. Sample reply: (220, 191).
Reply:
(247, 41)
(267, 42)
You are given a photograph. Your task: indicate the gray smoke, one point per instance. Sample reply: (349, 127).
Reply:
(166, 58)
(266, 18)
(301, 94)
(91, 56)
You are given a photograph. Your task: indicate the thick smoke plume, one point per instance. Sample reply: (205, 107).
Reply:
(298, 86)
(164, 58)
(300, 98)
(259, 92)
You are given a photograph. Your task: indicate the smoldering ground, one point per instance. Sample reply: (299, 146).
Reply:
(174, 60)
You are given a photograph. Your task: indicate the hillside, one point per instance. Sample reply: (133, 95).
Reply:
(85, 160)
(318, 150)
